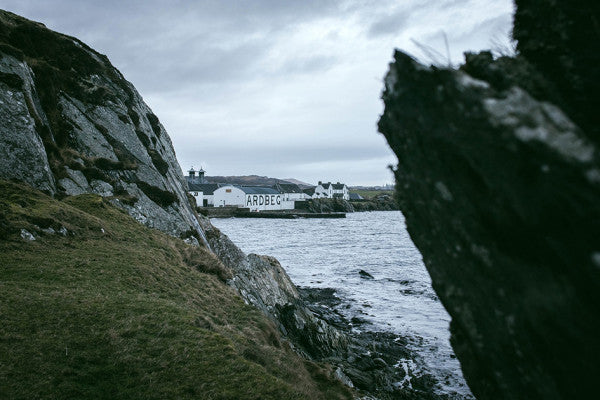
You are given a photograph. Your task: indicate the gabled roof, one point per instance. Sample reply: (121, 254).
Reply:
(325, 184)
(355, 196)
(206, 188)
(338, 186)
(258, 190)
(309, 191)
(288, 188)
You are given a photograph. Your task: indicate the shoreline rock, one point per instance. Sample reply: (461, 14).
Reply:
(500, 195)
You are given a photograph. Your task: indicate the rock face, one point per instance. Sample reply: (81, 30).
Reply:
(71, 124)
(562, 40)
(501, 193)
(262, 282)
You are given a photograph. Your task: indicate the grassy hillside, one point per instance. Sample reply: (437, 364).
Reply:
(116, 310)
(371, 194)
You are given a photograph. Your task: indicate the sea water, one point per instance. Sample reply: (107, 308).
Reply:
(330, 253)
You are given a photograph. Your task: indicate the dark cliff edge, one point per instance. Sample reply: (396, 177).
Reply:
(498, 177)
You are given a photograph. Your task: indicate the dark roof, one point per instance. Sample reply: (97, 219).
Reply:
(206, 188)
(195, 180)
(309, 191)
(355, 196)
(325, 184)
(289, 188)
(338, 186)
(258, 190)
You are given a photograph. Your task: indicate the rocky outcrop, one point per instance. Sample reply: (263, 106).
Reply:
(327, 205)
(71, 124)
(262, 282)
(501, 194)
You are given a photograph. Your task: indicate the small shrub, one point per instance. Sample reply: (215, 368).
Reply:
(128, 160)
(143, 138)
(135, 118)
(161, 165)
(94, 173)
(154, 123)
(205, 261)
(106, 164)
(161, 197)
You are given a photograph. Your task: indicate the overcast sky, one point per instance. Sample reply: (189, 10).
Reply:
(287, 89)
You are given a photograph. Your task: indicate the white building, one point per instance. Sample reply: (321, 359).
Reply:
(324, 190)
(256, 198)
(203, 193)
(340, 190)
(330, 190)
(291, 192)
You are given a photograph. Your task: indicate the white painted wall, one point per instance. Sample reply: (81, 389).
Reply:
(344, 192)
(199, 196)
(295, 196)
(210, 199)
(229, 196)
(267, 202)
(320, 192)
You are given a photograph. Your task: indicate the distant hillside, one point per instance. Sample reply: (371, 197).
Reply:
(253, 180)
(299, 183)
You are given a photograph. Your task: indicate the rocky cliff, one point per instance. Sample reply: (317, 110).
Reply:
(499, 179)
(72, 124)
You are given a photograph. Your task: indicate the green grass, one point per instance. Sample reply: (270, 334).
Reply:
(116, 310)
(370, 194)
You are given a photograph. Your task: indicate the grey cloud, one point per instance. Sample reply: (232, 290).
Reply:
(389, 24)
(230, 70)
(244, 153)
(306, 65)
(500, 24)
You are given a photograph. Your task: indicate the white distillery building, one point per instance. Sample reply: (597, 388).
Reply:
(256, 198)
(202, 191)
(323, 190)
(340, 190)
(292, 192)
(331, 190)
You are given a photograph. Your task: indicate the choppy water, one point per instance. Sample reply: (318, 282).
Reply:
(329, 253)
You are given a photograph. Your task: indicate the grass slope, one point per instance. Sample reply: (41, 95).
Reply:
(118, 311)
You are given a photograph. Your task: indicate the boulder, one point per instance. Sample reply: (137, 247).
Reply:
(501, 194)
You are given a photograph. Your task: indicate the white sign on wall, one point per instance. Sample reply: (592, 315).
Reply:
(263, 200)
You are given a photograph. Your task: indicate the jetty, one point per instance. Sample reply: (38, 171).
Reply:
(231, 212)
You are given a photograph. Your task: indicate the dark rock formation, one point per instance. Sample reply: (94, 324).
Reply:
(382, 202)
(71, 124)
(562, 40)
(327, 205)
(501, 194)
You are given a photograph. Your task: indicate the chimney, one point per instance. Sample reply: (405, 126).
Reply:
(320, 182)
(192, 173)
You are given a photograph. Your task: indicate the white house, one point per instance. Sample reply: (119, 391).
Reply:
(340, 190)
(324, 190)
(256, 198)
(203, 193)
